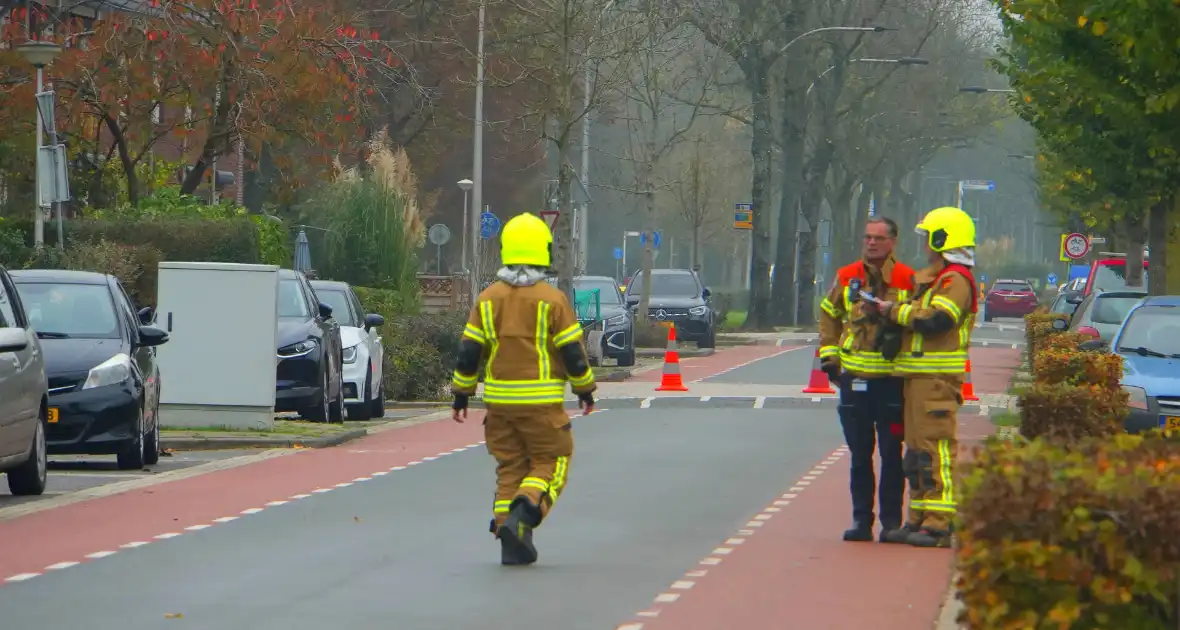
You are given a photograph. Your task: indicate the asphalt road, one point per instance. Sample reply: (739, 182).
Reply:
(71, 473)
(1011, 330)
(651, 492)
(788, 367)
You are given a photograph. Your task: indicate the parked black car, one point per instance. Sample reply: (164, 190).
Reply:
(679, 297)
(615, 319)
(310, 353)
(100, 359)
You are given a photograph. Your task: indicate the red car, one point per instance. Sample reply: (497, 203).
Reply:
(1108, 273)
(1009, 298)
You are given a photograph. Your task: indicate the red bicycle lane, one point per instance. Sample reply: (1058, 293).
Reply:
(725, 360)
(788, 566)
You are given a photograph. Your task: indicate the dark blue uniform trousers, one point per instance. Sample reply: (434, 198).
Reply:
(871, 415)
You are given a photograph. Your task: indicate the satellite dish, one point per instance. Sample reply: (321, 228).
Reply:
(439, 234)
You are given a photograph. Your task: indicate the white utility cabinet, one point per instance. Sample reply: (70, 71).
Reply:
(218, 367)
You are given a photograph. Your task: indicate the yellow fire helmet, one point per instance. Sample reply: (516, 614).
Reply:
(947, 228)
(526, 240)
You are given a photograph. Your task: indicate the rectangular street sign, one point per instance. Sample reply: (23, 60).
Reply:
(743, 216)
(979, 184)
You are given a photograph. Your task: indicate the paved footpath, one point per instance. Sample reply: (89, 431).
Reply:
(697, 515)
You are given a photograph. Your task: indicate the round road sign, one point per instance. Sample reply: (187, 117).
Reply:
(438, 234)
(1076, 245)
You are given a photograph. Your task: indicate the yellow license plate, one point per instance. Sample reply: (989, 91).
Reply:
(53, 415)
(1012, 298)
(1170, 423)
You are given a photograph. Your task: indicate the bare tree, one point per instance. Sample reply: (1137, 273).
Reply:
(702, 184)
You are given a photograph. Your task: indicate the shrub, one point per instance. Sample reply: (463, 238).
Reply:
(134, 265)
(649, 335)
(1059, 364)
(1080, 538)
(1067, 413)
(420, 354)
(1038, 326)
(389, 304)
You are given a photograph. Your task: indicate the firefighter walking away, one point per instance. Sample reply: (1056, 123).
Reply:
(527, 334)
(858, 347)
(938, 323)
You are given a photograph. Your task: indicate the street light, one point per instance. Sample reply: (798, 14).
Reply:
(975, 89)
(40, 54)
(903, 61)
(829, 29)
(465, 185)
(477, 148)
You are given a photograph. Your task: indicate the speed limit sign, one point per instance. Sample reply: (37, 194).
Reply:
(1076, 246)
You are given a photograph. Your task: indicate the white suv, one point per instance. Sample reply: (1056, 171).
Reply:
(364, 396)
(24, 396)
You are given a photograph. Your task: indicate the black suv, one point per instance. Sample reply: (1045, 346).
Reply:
(679, 297)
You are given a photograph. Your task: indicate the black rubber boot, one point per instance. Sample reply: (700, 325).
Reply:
(859, 532)
(899, 535)
(929, 538)
(516, 534)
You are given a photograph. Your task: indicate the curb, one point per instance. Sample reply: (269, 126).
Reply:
(951, 606)
(214, 443)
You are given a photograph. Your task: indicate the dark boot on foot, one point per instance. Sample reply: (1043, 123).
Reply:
(516, 534)
(859, 532)
(929, 538)
(898, 535)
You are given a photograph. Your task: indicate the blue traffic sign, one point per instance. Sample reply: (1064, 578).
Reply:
(1052, 278)
(827, 258)
(983, 278)
(655, 241)
(618, 253)
(489, 225)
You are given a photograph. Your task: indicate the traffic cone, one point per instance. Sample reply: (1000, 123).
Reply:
(818, 382)
(968, 387)
(671, 381)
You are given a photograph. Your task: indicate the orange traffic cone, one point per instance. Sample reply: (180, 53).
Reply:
(818, 382)
(968, 387)
(671, 381)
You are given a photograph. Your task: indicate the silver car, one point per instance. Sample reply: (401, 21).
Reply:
(24, 395)
(1100, 314)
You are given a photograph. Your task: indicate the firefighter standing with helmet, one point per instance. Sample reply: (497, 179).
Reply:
(529, 335)
(938, 324)
(858, 346)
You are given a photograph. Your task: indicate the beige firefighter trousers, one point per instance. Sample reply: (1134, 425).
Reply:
(532, 445)
(931, 439)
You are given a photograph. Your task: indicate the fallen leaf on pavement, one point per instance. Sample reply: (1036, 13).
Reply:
(173, 616)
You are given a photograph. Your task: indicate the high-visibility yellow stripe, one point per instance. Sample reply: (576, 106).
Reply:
(535, 483)
(831, 309)
(583, 380)
(828, 351)
(948, 305)
(904, 312)
(569, 335)
(525, 392)
(902, 295)
(464, 381)
(502, 506)
(542, 341)
(557, 485)
(473, 333)
(489, 328)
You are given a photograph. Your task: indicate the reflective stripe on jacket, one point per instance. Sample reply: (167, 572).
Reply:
(950, 290)
(522, 329)
(846, 331)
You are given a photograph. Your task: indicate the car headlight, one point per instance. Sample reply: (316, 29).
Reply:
(1136, 397)
(298, 349)
(698, 310)
(350, 354)
(616, 320)
(113, 371)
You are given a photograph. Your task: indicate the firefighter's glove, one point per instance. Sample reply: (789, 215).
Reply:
(889, 341)
(586, 403)
(459, 407)
(831, 367)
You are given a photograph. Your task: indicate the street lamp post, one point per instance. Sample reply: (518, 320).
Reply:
(465, 186)
(477, 154)
(975, 89)
(40, 54)
(901, 61)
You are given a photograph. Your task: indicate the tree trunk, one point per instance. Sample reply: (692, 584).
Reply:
(794, 123)
(1159, 230)
(1136, 238)
(844, 236)
(125, 159)
(813, 193)
(758, 317)
(646, 177)
(214, 142)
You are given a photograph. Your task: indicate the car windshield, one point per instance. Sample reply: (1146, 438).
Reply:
(291, 302)
(84, 311)
(341, 307)
(1114, 278)
(1112, 309)
(1156, 329)
(1012, 286)
(669, 284)
(607, 292)
(1061, 305)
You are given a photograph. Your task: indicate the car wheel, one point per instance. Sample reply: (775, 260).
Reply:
(364, 409)
(29, 478)
(378, 402)
(132, 457)
(151, 443)
(336, 407)
(318, 412)
(628, 360)
(709, 340)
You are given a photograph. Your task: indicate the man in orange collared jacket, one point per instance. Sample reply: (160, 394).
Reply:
(857, 350)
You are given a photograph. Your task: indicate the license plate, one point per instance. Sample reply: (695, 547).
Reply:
(1170, 423)
(1012, 298)
(53, 415)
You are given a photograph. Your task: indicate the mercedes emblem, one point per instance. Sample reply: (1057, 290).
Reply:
(661, 314)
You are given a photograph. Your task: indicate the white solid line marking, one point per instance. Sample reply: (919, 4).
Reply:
(296, 497)
(699, 573)
(759, 402)
(251, 511)
(197, 528)
(710, 561)
(683, 585)
(706, 398)
(735, 541)
(722, 551)
(61, 565)
(99, 554)
(225, 519)
(397, 468)
(667, 598)
(133, 545)
(276, 503)
(344, 484)
(646, 403)
(166, 536)
(21, 577)
(380, 473)
(362, 479)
